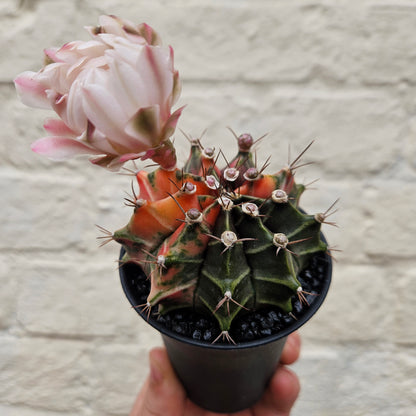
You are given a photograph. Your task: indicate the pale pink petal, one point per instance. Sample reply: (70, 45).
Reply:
(54, 76)
(111, 24)
(31, 91)
(59, 104)
(177, 88)
(112, 163)
(99, 141)
(151, 36)
(130, 156)
(115, 92)
(61, 148)
(145, 127)
(127, 86)
(58, 128)
(170, 126)
(104, 161)
(126, 49)
(92, 49)
(50, 53)
(68, 53)
(114, 25)
(105, 113)
(154, 67)
(75, 114)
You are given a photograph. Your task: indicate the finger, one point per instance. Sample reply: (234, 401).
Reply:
(135, 411)
(164, 394)
(291, 350)
(281, 394)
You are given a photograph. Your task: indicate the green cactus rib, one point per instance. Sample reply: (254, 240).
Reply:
(238, 244)
(224, 271)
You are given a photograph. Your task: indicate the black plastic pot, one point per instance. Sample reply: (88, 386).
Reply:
(223, 378)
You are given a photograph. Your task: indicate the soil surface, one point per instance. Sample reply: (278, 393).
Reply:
(248, 326)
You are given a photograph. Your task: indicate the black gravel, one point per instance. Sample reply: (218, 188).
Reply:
(246, 327)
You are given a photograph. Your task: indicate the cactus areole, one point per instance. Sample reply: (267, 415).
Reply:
(223, 242)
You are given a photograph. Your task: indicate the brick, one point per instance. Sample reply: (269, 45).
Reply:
(409, 148)
(85, 296)
(404, 278)
(120, 370)
(44, 373)
(253, 54)
(44, 211)
(30, 27)
(405, 387)
(7, 294)
(345, 124)
(251, 42)
(353, 309)
(21, 127)
(387, 49)
(346, 235)
(7, 7)
(373, 217)
(349, 380)
(390, 233)
(6, 410)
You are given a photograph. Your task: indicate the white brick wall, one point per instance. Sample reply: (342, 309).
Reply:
(343, 73)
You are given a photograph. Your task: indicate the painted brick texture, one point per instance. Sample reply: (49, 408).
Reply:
(342, 73)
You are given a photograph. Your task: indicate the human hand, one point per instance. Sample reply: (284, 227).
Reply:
(163, 394)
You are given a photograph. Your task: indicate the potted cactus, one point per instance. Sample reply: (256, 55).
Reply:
(220, 259)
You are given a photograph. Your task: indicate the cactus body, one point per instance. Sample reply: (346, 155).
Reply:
(220, 241)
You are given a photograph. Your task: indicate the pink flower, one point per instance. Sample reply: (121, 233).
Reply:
(114, 96)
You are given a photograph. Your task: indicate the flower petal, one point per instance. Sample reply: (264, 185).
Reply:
(113, 163)
(145, 126)
(31, 91)
(130, 156)
(61, 148)
(155, 67)
(58, 128)
(104, 112)
(152, 37)
(170, 126)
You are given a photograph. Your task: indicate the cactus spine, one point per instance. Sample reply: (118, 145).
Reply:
(220, 241)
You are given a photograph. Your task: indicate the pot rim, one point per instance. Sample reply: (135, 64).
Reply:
(307, 315)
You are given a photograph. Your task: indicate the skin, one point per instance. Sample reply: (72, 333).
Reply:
(162, 393)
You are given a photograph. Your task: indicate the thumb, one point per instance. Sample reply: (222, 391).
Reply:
(165, 394)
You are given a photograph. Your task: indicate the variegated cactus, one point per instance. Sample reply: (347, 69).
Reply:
(220, 241)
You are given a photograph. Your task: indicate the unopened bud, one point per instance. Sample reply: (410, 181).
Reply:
(245, 141)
